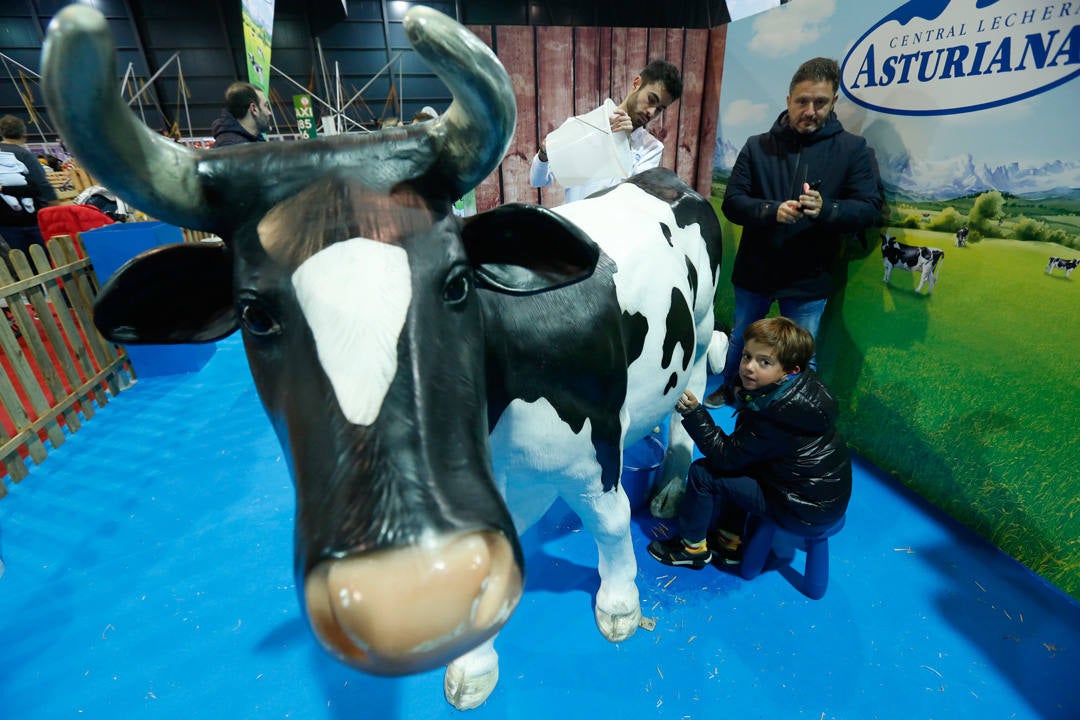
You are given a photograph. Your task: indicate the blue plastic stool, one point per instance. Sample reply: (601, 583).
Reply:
(769, 546)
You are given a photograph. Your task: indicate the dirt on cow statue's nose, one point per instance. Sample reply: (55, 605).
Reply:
(408, 610)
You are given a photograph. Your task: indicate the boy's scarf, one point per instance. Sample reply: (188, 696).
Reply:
(763, 397)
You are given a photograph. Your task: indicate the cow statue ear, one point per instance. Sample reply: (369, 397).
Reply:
(168, 295)
(521, 249)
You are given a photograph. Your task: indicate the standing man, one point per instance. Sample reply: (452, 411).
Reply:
(24, 189)
(247, 115)
(797, 190)
(655, 88)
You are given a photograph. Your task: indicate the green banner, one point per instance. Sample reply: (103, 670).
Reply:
(305, 116)
(258, 29)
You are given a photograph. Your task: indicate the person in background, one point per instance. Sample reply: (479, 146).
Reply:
(425, 113)
(247, 115)
(798, 191)
(654, 89)
(24, 189)
(785, 459)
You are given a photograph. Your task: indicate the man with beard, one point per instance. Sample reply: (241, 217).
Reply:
(247, 115)
(798, 191)
(655, 88)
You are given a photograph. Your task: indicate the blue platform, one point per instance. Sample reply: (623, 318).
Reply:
(149, 576)
(111, 246)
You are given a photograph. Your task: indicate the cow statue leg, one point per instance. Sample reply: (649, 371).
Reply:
(471, 678)
(888, 272)
(680, 451)
(672, 484)
(606, 515)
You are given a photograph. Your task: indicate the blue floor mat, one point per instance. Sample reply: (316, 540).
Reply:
(149, 576)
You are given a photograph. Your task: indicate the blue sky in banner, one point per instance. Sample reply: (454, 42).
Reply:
(1028, 145)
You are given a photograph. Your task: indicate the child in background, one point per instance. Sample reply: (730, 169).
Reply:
(785, 458)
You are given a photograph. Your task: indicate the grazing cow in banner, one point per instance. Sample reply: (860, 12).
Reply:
(915, 259)
(1057, 263)
(961, 236)
(435, 384)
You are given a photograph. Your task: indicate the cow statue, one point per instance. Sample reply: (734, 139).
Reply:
(435, 384)
(925, 261)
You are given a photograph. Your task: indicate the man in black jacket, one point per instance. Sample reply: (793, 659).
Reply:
(247, 115)
(785, 458)
(24, 189)
(798, 191)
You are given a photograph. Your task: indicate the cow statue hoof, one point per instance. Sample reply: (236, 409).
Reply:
(618, 627)
(618, 609)
(471, 678)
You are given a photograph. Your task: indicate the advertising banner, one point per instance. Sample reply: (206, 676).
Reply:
(258, 18)
(305, 116)
(963, 384)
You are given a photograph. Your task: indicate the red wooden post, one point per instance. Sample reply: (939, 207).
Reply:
(516, 48)
(668, 125)
(714, 73)
(621, 74)
(637, 57)
(587, 94)
(556, 81)
(695, 53)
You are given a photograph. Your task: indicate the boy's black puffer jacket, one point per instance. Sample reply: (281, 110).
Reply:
(790, 446)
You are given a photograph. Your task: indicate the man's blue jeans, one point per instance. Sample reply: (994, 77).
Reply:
(751, 307)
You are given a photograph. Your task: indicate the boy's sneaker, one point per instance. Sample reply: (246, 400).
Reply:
(728, 556)
(726, 547)
(673, 552)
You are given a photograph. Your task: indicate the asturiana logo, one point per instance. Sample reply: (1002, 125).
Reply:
(938, 57)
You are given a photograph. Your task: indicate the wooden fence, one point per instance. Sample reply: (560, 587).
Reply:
(57, 366)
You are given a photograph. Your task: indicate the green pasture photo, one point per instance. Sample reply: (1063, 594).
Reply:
(970, 394)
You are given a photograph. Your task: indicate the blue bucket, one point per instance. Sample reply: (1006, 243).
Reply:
(641, 468)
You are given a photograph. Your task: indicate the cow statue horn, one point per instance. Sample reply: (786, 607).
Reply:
(203, 189)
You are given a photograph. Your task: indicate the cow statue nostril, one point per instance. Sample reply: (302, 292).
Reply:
(411, 609)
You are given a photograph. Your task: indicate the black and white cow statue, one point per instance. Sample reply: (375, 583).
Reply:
(913, 258)
(1057, 263)
(435, 385)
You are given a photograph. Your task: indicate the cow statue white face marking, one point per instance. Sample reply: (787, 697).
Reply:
(337, 288)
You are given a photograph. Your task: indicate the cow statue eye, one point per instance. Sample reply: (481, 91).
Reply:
(457, 287)
(257, 320)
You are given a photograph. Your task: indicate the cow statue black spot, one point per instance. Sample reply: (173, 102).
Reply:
(435, 385)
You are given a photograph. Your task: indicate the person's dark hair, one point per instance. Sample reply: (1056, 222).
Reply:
(793, 345)
(819, 69)
(666, 73)
(12, 127)
(238, 97)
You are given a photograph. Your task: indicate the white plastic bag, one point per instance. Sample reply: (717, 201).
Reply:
(583, 149)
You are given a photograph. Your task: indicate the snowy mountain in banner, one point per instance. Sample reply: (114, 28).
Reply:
(724, 155)
(951, 177)
(960, 175)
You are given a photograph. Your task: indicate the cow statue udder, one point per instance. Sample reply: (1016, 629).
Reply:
(435, 385)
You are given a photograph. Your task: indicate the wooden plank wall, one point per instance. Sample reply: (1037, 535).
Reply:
(562, 71)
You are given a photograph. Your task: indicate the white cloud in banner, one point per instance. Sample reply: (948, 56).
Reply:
(784, 31)
(745, 112)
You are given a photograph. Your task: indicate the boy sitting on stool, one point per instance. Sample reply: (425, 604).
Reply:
(785, 458)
